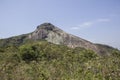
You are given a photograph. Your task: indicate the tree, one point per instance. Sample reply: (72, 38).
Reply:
(29, 52)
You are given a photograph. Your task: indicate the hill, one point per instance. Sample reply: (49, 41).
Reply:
(42, 60)
(49, 53)
(53, 34)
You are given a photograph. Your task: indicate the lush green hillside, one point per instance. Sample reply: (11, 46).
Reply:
(46, 61)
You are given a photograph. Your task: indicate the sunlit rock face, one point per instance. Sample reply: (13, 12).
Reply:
(53, 34)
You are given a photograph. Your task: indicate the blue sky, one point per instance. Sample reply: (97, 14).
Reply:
(95, 20)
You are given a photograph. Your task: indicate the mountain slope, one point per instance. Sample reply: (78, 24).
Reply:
(41, 60)
(53, 34)
(43, 55)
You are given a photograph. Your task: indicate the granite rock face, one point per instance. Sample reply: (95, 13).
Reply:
(53, 34)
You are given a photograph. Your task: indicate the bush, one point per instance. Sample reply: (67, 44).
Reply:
(29, 52)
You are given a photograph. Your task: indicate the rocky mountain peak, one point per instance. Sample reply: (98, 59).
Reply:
(53, 34)
(45, 30)
(46, 26)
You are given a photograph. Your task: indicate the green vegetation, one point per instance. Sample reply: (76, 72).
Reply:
(46, 61)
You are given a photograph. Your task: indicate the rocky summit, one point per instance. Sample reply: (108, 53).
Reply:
(53, 34)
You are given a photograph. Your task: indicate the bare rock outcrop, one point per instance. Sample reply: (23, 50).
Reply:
(53, 34)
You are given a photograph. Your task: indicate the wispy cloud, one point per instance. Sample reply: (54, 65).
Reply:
(86, 24)
(90, 23)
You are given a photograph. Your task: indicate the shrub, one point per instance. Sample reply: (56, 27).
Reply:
(29, 52)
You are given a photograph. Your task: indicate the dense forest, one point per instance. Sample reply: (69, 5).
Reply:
(42, 60)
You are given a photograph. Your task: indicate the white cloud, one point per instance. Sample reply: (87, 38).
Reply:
(86, 24)
(75, 28)
(90, 23)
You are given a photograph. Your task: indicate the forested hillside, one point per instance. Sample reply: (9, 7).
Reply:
(42, 60)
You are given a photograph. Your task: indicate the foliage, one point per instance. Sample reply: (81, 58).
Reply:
(46, 61)
(29, 53)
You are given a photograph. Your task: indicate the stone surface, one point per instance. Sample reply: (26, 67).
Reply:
(53, 34)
